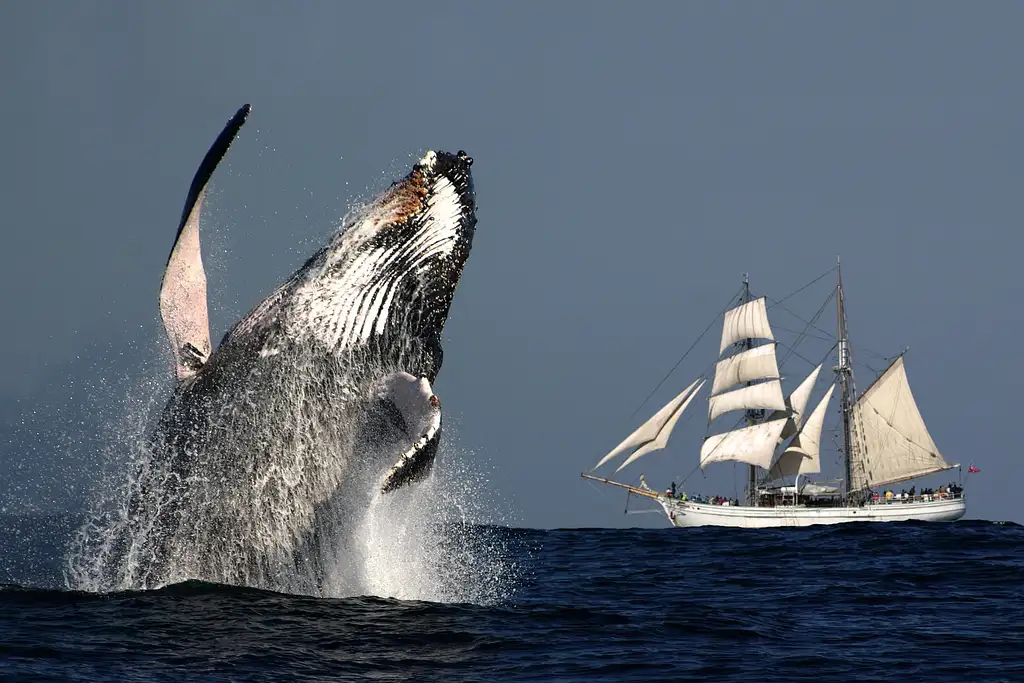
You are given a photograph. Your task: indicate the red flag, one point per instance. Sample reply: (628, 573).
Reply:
(972, 468)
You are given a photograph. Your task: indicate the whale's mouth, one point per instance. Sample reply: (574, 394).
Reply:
(415, 464)
(413, 414)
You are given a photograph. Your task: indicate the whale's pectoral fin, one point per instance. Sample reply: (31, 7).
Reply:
(414, 412)
(183, 289)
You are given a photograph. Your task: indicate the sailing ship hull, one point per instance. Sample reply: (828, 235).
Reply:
(687, 514)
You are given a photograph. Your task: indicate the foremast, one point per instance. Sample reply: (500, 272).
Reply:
(752, 416)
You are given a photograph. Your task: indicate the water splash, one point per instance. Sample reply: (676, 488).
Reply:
(425, 542)
(122, 454)
(435, 543)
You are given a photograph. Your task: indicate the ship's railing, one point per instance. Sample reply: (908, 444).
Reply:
(899, 499)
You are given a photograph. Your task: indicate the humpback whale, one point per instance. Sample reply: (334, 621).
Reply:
(314, 402)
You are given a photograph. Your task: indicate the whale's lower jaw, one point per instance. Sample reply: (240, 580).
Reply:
(414, 414)
(415, 464)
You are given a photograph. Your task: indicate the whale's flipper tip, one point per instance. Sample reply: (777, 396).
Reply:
(218, 149)
(183, 305)
(416, 414)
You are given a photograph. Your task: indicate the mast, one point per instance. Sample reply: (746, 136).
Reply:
(752, 416)
(845, 373)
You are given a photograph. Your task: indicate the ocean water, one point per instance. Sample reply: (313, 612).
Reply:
(860, 602)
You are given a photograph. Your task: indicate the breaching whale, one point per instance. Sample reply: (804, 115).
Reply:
(317, 400)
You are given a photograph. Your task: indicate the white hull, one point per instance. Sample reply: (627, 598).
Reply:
(686, 514)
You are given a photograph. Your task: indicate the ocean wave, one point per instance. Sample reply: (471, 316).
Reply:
(941, 602)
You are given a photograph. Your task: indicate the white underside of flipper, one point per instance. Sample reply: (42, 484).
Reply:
(183, 303)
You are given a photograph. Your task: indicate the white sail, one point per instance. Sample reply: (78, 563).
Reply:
(755, 363)
(661, 440)
(766, 395)
(649, 431)
(891, 439)
(753, 445)
(747, 321)
(796, 403)
(803, 455)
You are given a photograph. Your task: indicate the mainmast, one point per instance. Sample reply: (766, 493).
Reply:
(845, 373)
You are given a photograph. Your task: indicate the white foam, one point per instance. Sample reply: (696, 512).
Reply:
(426, 542)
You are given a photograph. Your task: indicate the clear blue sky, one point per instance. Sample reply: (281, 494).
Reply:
(633, 160)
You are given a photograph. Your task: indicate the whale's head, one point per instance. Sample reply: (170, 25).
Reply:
(384, 284)
(377, 296)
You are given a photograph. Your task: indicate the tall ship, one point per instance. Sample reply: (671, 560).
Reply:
(882, 437)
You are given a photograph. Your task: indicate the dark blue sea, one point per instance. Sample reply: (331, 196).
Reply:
(892, 602)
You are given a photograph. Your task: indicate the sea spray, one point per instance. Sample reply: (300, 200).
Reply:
(437, 543)
(427, 542)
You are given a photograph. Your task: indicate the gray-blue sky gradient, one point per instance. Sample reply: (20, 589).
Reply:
(633, 160)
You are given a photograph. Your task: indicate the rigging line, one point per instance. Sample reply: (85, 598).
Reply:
(817, 315)
(787, 310)
(870, 369)
(878, 355)
(804, 320)
(859, 346)
(873, 371)
(791, 351)
(710, 325)
(794, 293)
(776, 326)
